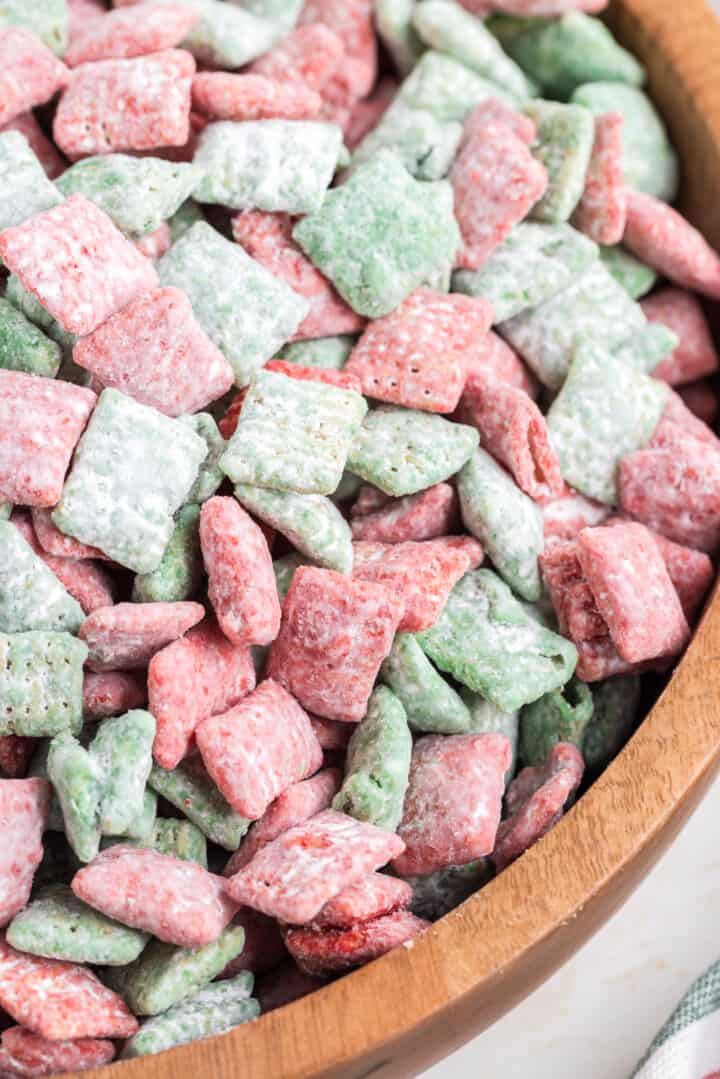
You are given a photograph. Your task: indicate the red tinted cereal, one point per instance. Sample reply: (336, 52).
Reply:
(660, 236)
(293, 877)
(127, 635)
(15, 755)
(44, 150)
(40, 423)
(29, 73)
(155, 244)
(125, 34)
(371, 897)
(495, 357)
(602, 211)
(259, 748)
(396, 359)
(178, 902)
(700, 398)
(335, 633)
(60, 1001)
(566, 516)
(452, 807)
(139, 104)
(678, 424)
(426, 515)
(55, 542)
(695, 355)
(495, 111)
(355, 76)
(222, 95)
(369, 500)
(228, 424)
(368, 113)
(310, 55)
(111, 693)
(78, 265)
(320, 951)
(330, 733)
(39, 1056)
(24, 808)
(315, 374)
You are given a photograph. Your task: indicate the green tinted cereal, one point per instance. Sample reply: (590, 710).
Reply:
(33, 310)
(447, 88)
(180, 571)
(564, 142)
(40, 683)
(24, 188)
(431, 704)
(78, 784)
(613, 721)
(181, 839)
(633, 275)
(312, 523)
(24, 347)
(189, 788)
(184, 218)
(329, 352)
(647, 348)
(122, 754)
(31, 596)
(560, 716)
(487, 718)
(225, 35)
(142, 826)
(425, 145)
(48, 19)
(210, 475)
(435, 894)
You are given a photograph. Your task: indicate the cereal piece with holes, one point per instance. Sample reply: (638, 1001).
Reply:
(40, 683)
(495, 357)
(695, 355)
(31, 75)
(180, 838)
(563, 144)
(180, 571)
(191, 790)
(126, 34)
(426, 515)
(24, 809)
(560, 716)
(24, 1053)
(31, 596)
(24, 347)
(127, 635)
(25, 189)
(325, 951)
(431, 704)
(221, 95)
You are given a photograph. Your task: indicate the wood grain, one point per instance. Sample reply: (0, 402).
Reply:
(411, 1008)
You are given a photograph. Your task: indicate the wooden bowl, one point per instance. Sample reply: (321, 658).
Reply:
(408, 1010)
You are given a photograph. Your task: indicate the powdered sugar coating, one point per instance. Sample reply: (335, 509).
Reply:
(24, 188)
(602, 211)
(322, 951)
(312, 523)
(111, 693)
(660, 236)
(695, 355)
(24, 809)
(126, 34)
(33, 1055)
(127, 635)
(426, 515)
(31, 596)
(31, 75)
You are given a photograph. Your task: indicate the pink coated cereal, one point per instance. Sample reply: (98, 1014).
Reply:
(494, 356)
(513, 429)
(373, 896)
(369, 500)
(567, 515)
(344, 379)
(55, 542)
(267, 237)
(60, 1001)
(78, 265)
(535, 801)
(126, 34)
(352, 22)
(495, 111)
(420, 575)
(335, 633)
(293, 877)
(661, 237)
(127, 635)
(700, 398)
(696, 354)
(495, 180)
(264, 947)
(320, 951)
(155, 244)
(53, 163)
(24, 809)
(41, 421)
(602, 211)
(453, 802)
(114, 105)
(112, 693)
(367, 114)
(15, 754)
(427, 515)
(309, 55)
(396, 359)
(678, 424)
(222, 95)
(191, 679)
(37, 1056)
(178, 902)
(29, 73)
(259, 748)
(156, 351)
(331, 734)
(242, 587)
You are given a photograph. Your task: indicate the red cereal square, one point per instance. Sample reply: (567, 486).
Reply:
(127, 635)
(310, 55)
(116, 105)
(85, 580)
(24, 809)
(493, 356)
(29, 73)
(223, 95)
(696, 354)
(259, 748)
(330, 377)
(330, 733)
(124, 34)
(155, 244)
(41, 421)
(44, 150)
(660, 236)
(55, 542)
(397, 357)
(495, 111)
(38, 1056)
(334, 635)
(354, 78)
(293, 877)
(15, 754)
(602, 211)
(112, 693)
(427, 515)
(452, 806)
(565, 517)
(325, 951)
(371, 897)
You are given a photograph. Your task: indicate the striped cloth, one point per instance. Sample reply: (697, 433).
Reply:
(688, 1046)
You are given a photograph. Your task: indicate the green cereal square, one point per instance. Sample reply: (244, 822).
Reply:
(31, 596)
(560, 716)
(594, 308)
(24, 347)
(78, 785)
(393, 22)
(425, 145)
(5, 510)
(604, 411)
(274, 165)
(447, 88)
(328, 352)
(647, 348)
(122, 753)
(381, 234)
(505, 520)
(33, 310)
(137, 193)
(210, 475)
(181, 568)
(485, 640)
(133, 469)
(563, 144)
(142, 827)
(190, 789)
(48, 19)
(24, 188)
(293, 434)
(184, 218)
(529, 267)
(243, 309)
(615, 713)
(431, 704)
(312, 523)
(181, 839)
(41, 676)
(403, 451)
(487, 718)
(225, 35)
(633, 275)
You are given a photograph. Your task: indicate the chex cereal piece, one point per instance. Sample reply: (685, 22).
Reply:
(24, 808)
(616, 702)
(377, 764)
(495, 356)
(372, 897)
(560, 716)
(191, 679)
(308, 56)
(604, 411)
(312, 523)
(180, 571)
(20, 297)
(633, 275)
(129, 514)
(660, 236)
(78, 784)
(293, 434)
(33, 1055)
(221, 95)
(125, 34)
(293, 877)
(60, 1000)
(678, 424)
(426, 515)
(396, 357)
(15, 755)
(403, 451)
(495, 110)
(533, 263)
(48, 19)
(155, 244)
(127, 635)
(352, 22)
(344, 380)
(295, 805)
(331, 670)
(535, 802)
(452, 807)
(157, 352)
(602, 211)
(86, 581)
(58, 925)
(649, 162)
(328, 352)
(419, 575)
(273, 165)
(31, 596)
(379, 235)
(447, 88)
(54, 542)
(210, 475)
(394, 26)
(367, 114)
(696, 354)
(40, 683)
(565, 517)
(431, 705)
(268, 239)
(31, 75)
(190, 789)
(44, 149)
(178, 902)
(24, 188)
(241, 585)
(487, 718)
(110, 693)
(563, 144)
(648, 348)
(487, 641)
(122, 751)
(244, 310)
(40, 423)
(322, 951)
(227, 36)
(181, 839)
(62, 257)
(368, 500)
(138, 104)
(425, 144)
(331, 733)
